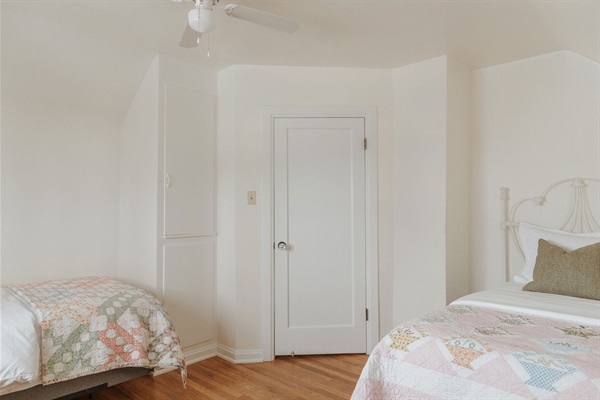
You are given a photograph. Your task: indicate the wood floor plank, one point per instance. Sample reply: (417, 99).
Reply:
(319, 379)
(224, 388)
(300, 377)
(243, 379)
(295, 379)
(318, 368)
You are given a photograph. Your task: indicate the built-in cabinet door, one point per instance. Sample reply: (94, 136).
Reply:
(189, 215)
(188, 288)
(189, 162)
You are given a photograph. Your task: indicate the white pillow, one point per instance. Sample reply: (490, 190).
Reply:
(20, 333)
(530, 234)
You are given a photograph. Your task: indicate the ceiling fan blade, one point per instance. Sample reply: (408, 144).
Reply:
(262, 18)
(190, 38)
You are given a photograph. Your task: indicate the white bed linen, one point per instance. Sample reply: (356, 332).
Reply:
(511, 297)
(20, 337)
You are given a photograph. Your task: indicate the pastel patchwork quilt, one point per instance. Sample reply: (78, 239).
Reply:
(465, 352)
(91, 325)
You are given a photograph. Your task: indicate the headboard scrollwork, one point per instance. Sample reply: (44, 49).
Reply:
(579, 218)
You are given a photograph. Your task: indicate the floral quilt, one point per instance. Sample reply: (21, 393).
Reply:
(465, 352)
(91, 325)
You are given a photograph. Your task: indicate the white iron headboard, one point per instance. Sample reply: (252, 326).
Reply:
(580, 217)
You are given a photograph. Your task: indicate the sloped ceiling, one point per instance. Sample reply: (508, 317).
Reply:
(95, 52)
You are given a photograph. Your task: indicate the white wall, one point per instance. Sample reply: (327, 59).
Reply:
(244, 91)
(424, 160)
(458, 181)
(138, 158)
(431, 186)
(419, 228)
(535, 121)
(226, 210)
(59, 189)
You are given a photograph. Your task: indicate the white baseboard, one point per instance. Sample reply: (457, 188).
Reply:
(192, 355)
(239, 356)
(160, 371)
(197, 353)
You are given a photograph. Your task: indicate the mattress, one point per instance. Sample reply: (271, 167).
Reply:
(511, 297)
(498, 344)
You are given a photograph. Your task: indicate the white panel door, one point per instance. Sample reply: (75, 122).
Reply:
(319, 201)
(188, 289)
(189, 162)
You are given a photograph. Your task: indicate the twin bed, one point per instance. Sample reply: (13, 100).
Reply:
(68, 337)
(537, 336)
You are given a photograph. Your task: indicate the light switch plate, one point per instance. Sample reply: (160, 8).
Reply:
(252, 198)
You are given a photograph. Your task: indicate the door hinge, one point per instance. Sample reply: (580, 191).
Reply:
(367, 314)
(365, 143)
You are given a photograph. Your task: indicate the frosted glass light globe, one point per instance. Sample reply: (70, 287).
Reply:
(201, 20)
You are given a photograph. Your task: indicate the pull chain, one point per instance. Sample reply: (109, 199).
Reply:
(208, 51)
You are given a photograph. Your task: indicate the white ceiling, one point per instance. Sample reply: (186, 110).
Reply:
(96, 51)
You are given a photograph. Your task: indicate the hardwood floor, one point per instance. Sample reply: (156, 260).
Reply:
(300, 377)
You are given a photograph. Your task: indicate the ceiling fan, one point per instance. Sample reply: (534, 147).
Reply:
(202, 20)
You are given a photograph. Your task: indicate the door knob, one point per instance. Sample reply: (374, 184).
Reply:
(282, 246)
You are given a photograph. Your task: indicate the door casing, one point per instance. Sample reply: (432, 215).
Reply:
(369, 113)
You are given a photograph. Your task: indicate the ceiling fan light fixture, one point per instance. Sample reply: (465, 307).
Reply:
(201, 19)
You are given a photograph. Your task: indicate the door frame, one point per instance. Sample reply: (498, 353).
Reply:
(369, 113)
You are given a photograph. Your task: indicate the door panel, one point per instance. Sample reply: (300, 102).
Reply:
(190, 305)
(320, 215)
(189, 162)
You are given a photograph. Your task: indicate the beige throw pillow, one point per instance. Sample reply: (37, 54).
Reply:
(570, 273)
